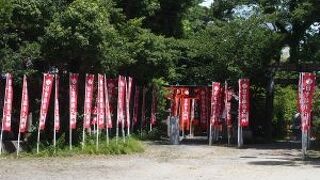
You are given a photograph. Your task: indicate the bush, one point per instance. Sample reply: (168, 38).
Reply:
(285, 107)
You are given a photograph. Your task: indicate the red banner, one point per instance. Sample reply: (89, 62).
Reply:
(107, 104)
(203, 107)
(88, 97)
(307, 88)
(100, 105)
(7, 107)
(94, 112)
(56, 104)
(112, 92)
(244, 102)
(121, 100)
(24, 111)
(215, 103)
(135, 105)
(176, 102)
(73, 93)
(228, 98)
(45, 98)
(153, 117)
(185, 113)
(192, 112)
(128, 99)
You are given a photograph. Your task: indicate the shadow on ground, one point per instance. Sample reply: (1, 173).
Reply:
(287, 152)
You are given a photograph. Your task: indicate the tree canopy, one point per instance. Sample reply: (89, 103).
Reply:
(167, 41)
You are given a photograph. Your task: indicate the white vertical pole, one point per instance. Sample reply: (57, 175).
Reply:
(210, 134)
(123, 132)
(239, 145)
(97, 136)
(192, 117)
(54, 138)
(107, 134)
(38, 140)
(1, 136)
(83, 137)
(117, 131)
(18, 149)
(70, 138)
(304, 145)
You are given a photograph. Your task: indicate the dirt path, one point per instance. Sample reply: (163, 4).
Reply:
(170, 162)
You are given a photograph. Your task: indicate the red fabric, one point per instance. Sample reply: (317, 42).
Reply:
(89, 81)
(45, 98)
(244, 102)
(307, 88)
(203, 108)
(185, 114)
(121, 100)
(215, 103)
(56, 104)
(107, 105)
(73, 109)
(228, 97)
(100, 104)
(24, 111)
(112, 92)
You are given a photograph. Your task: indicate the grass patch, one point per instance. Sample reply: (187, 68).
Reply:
(132, 145)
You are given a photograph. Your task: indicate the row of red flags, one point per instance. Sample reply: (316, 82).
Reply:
(221, 103)
(108, 91)
(213, 103)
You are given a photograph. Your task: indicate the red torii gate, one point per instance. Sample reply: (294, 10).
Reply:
(192, 104)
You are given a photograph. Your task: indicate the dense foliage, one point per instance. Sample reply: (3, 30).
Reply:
(160, 41)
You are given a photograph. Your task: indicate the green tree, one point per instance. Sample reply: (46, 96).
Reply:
(82, 39)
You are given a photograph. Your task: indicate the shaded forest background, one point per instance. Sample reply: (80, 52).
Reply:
(166, 42)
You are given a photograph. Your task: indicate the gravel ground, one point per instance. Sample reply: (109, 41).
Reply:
(188, 161)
